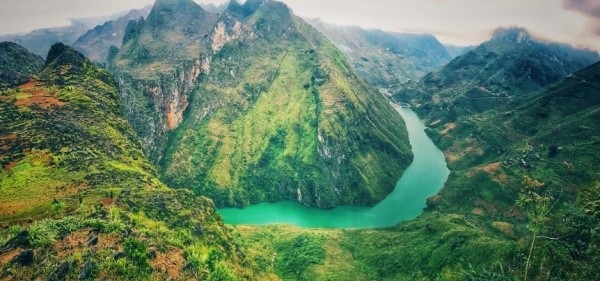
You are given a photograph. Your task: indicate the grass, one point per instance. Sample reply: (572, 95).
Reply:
(433, 247)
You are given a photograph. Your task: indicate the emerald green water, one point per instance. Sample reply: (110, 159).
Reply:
(423, 178)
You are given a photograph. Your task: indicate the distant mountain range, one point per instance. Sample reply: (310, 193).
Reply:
(511, 64)
(384, 58)
(95, 43)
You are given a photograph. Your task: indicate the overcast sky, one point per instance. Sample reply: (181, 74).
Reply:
(461, 22)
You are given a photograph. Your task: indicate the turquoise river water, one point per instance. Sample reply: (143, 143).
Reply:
(423, 178)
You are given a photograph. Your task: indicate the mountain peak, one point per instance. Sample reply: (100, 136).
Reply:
(61, 54)
(165, 12)
(512, 35)
(17, 64)
(247, 8)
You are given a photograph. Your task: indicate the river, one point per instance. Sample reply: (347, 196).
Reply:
(423, 178)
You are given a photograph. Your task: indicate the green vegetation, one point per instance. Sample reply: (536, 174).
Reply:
(526, 164)
(285, 119)
(80, 200)
(411, 251)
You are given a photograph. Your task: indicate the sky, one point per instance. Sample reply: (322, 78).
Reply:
(458, 22)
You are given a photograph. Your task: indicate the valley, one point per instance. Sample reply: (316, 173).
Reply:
(241, 141)
(422, 179)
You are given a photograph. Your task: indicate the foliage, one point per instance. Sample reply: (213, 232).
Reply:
(297, 255)
(137, 254)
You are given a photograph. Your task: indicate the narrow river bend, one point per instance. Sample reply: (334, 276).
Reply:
(423, 178)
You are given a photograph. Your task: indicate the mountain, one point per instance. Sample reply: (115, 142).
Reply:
(95, 43)
(386, 58)
(158, 64)
(39, 41)
(549, 135)
(80, 200)
(17, 64)
(532, 161)
(255, 105)
(511, 64)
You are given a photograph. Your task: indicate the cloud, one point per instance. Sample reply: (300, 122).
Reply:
(590, 8)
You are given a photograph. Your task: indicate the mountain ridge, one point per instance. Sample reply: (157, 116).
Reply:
(383, 58)
(509, 65)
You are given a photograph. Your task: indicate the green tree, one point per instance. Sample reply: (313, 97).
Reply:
(536, 206)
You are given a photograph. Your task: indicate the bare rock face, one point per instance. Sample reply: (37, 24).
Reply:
(221, 35)
(166, 98)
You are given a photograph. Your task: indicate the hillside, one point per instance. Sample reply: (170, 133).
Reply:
(17, 64)
(80, 200)
(511, 64)
(386, 59)
(550, 135)
(95, 43)
(263, 108)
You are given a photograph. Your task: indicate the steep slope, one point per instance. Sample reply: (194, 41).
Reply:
(17, 64)
(80, 200)
(159, 61)
(386, 58)
(533, 160)
(95, 43)
(511, 64)
(281, 115)
(257, 107)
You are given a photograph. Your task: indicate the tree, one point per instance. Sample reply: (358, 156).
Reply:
(536, 207)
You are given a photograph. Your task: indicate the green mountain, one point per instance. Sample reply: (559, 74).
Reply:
(255, 105)
(534, 159)
(17, 64)
(509, 65)
(384, 58)
(549, 135)
(79, 199)
(95, 43)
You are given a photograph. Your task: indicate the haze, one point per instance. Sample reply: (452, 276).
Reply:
(459, 22)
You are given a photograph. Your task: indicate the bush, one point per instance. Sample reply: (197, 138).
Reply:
(42, 234)
(136, 252)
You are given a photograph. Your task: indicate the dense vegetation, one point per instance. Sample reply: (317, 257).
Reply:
(80, 200)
